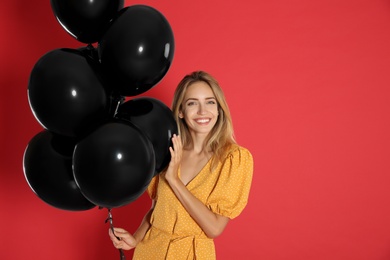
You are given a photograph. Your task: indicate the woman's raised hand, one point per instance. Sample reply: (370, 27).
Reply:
(126, 241)
(176, 151)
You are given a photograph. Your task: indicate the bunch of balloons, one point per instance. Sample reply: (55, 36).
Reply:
(96, 148)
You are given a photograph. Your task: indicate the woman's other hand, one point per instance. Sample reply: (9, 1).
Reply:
(122, 239)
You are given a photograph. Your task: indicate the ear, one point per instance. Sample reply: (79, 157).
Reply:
(181, 115)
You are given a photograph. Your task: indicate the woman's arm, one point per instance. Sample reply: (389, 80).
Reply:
(212, 224)
(127, 241)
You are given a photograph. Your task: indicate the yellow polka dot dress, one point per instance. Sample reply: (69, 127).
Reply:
(173, 234)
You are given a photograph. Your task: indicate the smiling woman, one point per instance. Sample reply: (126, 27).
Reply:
(206, 183)
(307, 83)
(199, 109)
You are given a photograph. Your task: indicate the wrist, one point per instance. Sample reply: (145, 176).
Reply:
(173, 181)
(137, 239)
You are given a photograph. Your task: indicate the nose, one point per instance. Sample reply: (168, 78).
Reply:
(201, 109)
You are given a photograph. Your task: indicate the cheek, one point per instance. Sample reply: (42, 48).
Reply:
(189, 111)
(187, 116)
(215, 111)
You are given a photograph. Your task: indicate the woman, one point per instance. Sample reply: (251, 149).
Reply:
(205, 185)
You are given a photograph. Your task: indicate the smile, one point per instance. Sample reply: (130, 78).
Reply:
(202, 120)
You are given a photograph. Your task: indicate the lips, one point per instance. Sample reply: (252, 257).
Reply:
(203, 120)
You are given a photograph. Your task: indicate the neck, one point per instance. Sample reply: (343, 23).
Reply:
(198, 143)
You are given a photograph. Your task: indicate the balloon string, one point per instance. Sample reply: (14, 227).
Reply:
(109, 219)
(116, 108)
(118, 103)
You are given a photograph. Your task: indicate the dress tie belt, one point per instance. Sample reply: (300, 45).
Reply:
(181, 246)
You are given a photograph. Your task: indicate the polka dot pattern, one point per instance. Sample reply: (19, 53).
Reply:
(174, 235)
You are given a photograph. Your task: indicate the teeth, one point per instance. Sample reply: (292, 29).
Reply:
(203, 120)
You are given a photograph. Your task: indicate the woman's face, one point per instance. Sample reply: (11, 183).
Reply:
(199, 108)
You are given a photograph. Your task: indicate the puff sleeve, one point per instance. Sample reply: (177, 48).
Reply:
(152, 187)
(230, 194)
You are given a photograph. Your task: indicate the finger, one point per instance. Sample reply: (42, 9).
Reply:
(178, 149)
(120, 230)
(110, 233)
(171, 151)
(175, 154)
(113, 238)
(118, 245)
(173, 139)
(177, 142)
(122, 236)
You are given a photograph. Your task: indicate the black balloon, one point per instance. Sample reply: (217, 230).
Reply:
(114, 164)
(47, 165)
(66, 93)
(137, 50)
(86, 20)
(156, 121)
(114, 99)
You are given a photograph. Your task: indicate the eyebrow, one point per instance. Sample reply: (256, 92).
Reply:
(198, 99)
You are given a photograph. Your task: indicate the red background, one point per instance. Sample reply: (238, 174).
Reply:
(308, 86)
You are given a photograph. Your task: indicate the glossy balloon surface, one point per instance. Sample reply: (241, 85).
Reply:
(156, 121)
(85, 20)
(66, 92)
(47, 165)
(114, 164)
(137, 50)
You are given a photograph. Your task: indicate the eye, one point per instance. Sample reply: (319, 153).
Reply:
(191, 103)
(211, 102)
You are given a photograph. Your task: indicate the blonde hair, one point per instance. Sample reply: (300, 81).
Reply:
(221, 137)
